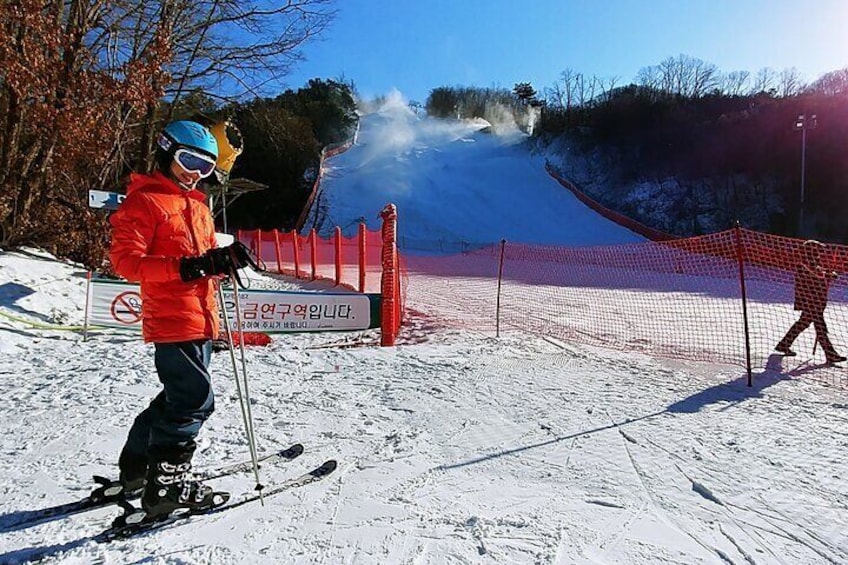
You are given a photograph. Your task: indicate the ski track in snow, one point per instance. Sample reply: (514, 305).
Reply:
(462, 448)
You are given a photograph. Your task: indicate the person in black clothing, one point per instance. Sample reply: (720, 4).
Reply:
(811, 287)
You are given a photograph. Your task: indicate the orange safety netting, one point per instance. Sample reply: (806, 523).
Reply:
(694, 298)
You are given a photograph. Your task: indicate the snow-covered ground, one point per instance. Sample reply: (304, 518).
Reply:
(458, 448)
(453, 447)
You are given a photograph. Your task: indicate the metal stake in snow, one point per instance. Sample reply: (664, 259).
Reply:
(244, 399)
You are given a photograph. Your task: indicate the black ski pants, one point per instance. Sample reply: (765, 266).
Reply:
(173, 419)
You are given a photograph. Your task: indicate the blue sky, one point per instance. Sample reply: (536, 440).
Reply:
(417, 45)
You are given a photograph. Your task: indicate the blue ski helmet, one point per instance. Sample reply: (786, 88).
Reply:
(184, 134)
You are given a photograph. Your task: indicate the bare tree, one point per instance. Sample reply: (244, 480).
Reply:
(220, 48)
(554, 96)
(834, 83)
(704, 76)
(607, 86)
(682, 75)
(790, 83)
(735, 83)
(584, 89)
(649, 77)
(765, 81)
(569, 80)
(82, 81)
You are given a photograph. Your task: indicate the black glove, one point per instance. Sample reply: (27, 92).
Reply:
(217, 261)
(193, 268)
(240, 256)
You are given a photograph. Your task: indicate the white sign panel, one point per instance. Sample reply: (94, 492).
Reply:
(117, 304)
(104, 199)
(279, 311)
(114, 304)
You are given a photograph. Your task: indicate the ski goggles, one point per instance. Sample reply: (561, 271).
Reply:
(194, 162)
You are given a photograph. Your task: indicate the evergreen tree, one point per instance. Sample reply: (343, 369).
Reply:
(525, 92)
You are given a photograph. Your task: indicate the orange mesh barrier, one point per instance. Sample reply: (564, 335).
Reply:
(678, 298)
(390, 311)
(329, 151)
(620, 219)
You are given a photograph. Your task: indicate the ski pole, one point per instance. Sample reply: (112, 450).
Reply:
(251, 433)
(247, 417)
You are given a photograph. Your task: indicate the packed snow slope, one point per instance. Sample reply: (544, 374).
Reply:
(454, 181)
(454, 447)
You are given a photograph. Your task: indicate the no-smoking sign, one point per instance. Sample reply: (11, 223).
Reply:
(126, 308)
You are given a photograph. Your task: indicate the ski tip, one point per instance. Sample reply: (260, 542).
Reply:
(293, 451)
(326, 468)
(220, 498)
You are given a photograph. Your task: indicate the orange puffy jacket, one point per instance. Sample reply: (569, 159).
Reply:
(158, 223)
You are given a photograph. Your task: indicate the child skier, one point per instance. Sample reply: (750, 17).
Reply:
(163, 237)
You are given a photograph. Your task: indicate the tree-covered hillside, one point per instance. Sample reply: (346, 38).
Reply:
(85, 87)
(283, 138)
(84, 93)
(689, 150)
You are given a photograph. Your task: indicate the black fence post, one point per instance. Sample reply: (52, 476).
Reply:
(740, 255)
(498, 301)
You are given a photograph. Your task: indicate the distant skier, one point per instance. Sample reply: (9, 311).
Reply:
(163, 237)
(811, 288)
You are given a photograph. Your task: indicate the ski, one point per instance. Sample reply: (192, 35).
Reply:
(287, 454)
(110, 491)
(132, 523)
(323, 470)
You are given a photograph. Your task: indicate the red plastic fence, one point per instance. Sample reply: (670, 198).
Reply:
(327, 152)
(620, 219)
(678, 298)
(366, 263)
(340, 260)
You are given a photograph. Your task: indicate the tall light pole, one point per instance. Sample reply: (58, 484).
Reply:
(803, 123)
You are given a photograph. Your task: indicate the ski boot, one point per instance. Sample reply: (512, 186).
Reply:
(834, 357)
(133, 468)
(170, 486)
(130, 483)
(787, 352)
